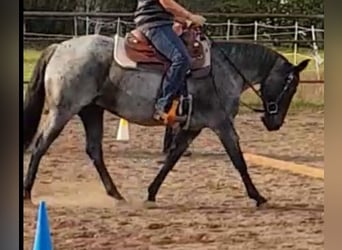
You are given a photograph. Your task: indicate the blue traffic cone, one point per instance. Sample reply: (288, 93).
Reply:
(42, 239)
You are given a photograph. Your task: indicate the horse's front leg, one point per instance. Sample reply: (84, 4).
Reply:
(230, 140)
(168, 138)
(181, 142)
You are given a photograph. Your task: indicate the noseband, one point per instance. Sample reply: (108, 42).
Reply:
(271, 107)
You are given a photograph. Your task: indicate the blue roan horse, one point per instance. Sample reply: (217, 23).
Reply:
(86, 75)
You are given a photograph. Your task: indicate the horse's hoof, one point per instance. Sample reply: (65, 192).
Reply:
(150, 204)
(187, 153)
(121, 201)
(161, 161)
(27, 199)
(261, 202)
(26, 195)
(29, 204)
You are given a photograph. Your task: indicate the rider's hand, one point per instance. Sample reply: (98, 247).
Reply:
(197, 19)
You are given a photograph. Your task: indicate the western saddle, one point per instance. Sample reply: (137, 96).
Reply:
(140, 50)
(135, 50)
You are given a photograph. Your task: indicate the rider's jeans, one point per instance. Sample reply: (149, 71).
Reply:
(169, 44)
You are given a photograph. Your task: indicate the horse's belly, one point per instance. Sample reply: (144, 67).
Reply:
(133, 97)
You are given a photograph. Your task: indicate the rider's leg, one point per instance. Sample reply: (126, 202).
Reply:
(172, 47)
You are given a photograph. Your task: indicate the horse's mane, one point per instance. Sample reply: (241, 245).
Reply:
(250, 54)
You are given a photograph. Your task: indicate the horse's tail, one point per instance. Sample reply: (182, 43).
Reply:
(35, 96)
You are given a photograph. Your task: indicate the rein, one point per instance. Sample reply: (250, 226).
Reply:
(271, 106)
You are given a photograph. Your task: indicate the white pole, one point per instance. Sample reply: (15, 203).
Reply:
(87, 18)
(255, 31)
(98, 24)
(295, 45)
(118, 26)
(75, 27)
(228, 29)
(315, 48)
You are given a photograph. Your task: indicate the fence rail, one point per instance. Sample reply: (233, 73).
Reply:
(63, 37)
(257, 32)
(28, 14)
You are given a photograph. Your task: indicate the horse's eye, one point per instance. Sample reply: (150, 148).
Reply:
(289, 78)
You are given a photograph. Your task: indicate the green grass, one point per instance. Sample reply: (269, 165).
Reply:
(30, 58)
(307, 96)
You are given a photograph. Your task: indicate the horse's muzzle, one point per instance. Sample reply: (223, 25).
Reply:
(271, 122)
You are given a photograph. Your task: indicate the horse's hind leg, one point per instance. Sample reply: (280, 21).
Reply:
(181, 142)
(229, 138)
(92, 118)
(54, 124)
(169, 136)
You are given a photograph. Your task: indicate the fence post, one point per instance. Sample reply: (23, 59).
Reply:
(228, 29)
(118, 26)
(255, 31)
(315, 49)
(98, 26)
(87, 25)
(87, 17)
(75, 27)
(295, 48)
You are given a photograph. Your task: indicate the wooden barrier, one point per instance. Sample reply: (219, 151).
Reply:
(301, 169)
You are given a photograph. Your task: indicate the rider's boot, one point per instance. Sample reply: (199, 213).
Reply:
(170, 117)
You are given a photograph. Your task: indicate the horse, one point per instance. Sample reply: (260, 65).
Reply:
(86, 75)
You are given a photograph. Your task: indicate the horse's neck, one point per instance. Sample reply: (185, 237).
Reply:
(255, 75)
(251, 70)
(250, 77)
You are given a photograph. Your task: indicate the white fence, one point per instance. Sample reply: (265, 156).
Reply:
(261, 32)
(257, 31)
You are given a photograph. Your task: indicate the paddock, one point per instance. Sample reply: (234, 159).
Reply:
(201, 205)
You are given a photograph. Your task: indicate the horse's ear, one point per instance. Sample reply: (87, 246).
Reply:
(302, 65)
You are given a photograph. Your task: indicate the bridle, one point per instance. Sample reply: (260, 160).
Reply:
(270, 107)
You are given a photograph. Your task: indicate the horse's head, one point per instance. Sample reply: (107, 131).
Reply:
(277, 92)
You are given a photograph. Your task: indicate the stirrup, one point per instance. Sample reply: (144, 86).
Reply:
(186, 102)
(171, 117)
